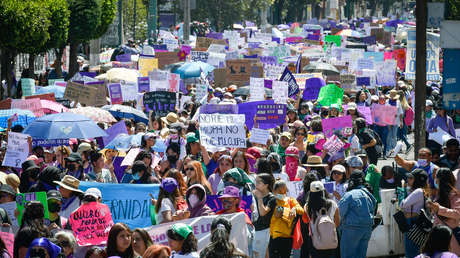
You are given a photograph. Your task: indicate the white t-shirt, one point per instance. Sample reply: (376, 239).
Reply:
(166, 205)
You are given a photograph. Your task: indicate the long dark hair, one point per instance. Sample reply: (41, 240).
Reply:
(164, 194)
(267, 179)
(145, 236)
(317, 201)
(112, 242)
(189, 244)
(140, 156)
(438, 241)
(96, 250)
(24, 238)
(33, 216)
(220, 245)
(446, 185)
(264, 166)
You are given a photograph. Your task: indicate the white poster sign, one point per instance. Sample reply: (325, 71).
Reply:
(17, 150)
(219, 130)
(280, 92)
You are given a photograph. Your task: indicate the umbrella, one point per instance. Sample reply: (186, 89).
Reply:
(98, 115)
(57, 90)
(283, 27)
(318, 67)
(64, 126)
(119, 74)
(51, 107)
(276, 33)
(124, 142)
(244, 91)
(173, 67)
(194, 69)
(122, 111)
(238, 26)
(349, 33)
(24, 117)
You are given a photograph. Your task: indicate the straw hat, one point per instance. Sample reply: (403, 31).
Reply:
(170, 118)
(69, 183)
(315, 161)
(394, 95)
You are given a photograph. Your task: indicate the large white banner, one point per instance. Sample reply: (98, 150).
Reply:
(219, 130)
(202, 230)
(432, 56)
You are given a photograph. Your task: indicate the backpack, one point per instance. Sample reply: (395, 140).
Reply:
(409, 116)
(323, 232)
(379, 145)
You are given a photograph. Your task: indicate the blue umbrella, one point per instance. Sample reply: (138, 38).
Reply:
(194, 69)
(122, 111)
(124, 142)
(64, 126)
(57, 90)
(24, 117)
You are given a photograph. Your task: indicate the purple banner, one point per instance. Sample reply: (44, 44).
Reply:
(217, 108)
(268, 59)
(330, 125)
(271, 115)
(268, 83)
(215, 204)
(215, 35)
(50, 143)
(113, 131)
(115, 93)
(249, 109)
(143, 84)
(124, 58)
(312, 88)
(369, 40)
(89, 74)
(360, 81)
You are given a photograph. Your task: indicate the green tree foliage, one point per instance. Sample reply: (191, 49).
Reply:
(141, 20)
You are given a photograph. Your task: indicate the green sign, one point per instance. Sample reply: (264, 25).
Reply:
(332, 39)
(23, 198)
(330, 94)
(28, 87)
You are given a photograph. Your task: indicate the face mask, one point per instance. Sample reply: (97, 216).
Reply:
(280, 196)
(227, 205)
(136, 176)
(71, 167)
(193, 200)
(172, 159)
(391, 180)
(231, 184)
(54, 207)
(422, 162)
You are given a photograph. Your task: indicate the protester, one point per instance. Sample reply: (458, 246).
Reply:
(182, 241)
(339, 179)
(196, 198)
(71, 195)
(141, 241)
(67, 242)
(438, 243)
(157, 251)
(42, 247)
(195, 175)
(166, 205)
(423, 162)
(54, 207)
(97, 172)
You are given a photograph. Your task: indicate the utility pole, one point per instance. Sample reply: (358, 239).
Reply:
(152, 22)
(135, 20)
(120, 22)
(420, 76)
(186, 28)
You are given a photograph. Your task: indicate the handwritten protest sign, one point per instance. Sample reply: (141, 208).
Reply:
(17, 150)
(256, 89)
(201, 93)
(202, 231)
(294, 188)
(218, 130)
(28, 86)
(333, 144)
(312, 88)
(259, 136)
(365, 63)
(238, 70)
(166, 58)
(101, 93)
(79, 93)
(91, 223)
(440, 136)
(161, 102)
(348, 81)
(23, 198)
(384, 114)
(115, 93)
(366, 112)
(128, 203)
(280, 92)
(196, 56)
(10, 207)
(330, 125)
(330, 94)
(218, 108)
(273, 71)
(147, 64)
(33, 105)
(8, 239)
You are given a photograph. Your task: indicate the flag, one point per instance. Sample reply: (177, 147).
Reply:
(298, 65)
(292, 83)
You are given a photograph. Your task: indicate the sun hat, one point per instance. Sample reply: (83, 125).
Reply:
(169, 184)
(74, 157)
(13, 180)
(70, 183)
(315, 161)
(84, 146)
(338, 168)
(170, 118)
(230, 192)
(352, 106)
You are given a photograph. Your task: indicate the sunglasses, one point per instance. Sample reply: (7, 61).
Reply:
(189, 169)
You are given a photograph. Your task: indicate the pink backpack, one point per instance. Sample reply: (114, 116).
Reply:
(409, 116)
(323, 232)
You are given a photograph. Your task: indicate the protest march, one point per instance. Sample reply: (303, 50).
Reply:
(278, 141)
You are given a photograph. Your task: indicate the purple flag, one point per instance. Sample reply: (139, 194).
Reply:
(124, 58)
(143, 84)
(360, 81)
(215, 35)
(298, 65)
(312, 88)
(292, 83)
(113, 131)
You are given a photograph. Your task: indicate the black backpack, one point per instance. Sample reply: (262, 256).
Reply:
(379, 146)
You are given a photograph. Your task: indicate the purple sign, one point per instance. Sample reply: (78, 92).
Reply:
(113, 131)
(161, 47)
(272, 115)
(253, 45)
(369, 40)
(143, 84)
(124, 58)
(89, 74)
(253, 56)
(215, 35)
(115, 93)
(330, 125)
(49, 143)
(268, 59)
(312, 88)
(313, 36)
(360, 81)
(249, 109)
(215, 204)
(95, 83)
(217, 108)
(277, 40)
(268, 83)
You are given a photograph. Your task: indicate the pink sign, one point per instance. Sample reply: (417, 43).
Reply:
(115, 93)
(33, 105)
(333, 144)
(387, 55)
(365, 111)
(8, 239)
(384, 114)
(91, 223)
(330, 125)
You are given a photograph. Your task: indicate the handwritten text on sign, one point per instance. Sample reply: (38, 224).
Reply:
(17, 151)
(222, 130)
(91, 223)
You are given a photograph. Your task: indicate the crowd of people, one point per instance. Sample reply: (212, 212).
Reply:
(333, 215)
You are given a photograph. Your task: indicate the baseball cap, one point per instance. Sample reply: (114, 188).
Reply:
(96, 193)
(354, 162)
(182, 229)
(230, 192)
(286, 134)
(7, 189)
(54, 194)
(74, 157)
(169, 184)
(339, 168)
(316, 186)
(191, 138)
(84, 146)
(429, 103)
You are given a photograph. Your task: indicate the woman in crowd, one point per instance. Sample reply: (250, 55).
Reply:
(119, 241)
(23, 239)
(157, 251)
(71, 195)
(299, 135)
(97, 172)
(195, 175)
(339, 180)
(438, 243)
(177, 175)
(240, 160)
(140, 173)
(96, 252)
(166, 205)
(42, 247)
(33, 217)
(443, 121)
(446, 207)
(141, 241)
(67, 242)
(413, 203)
(220, 245)
(182, 241)
(196, 201)
(366, 140)
(292, 168)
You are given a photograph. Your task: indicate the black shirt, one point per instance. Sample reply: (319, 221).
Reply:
(365, 137)
(263, 222)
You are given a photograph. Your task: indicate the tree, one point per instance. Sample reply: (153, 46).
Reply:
(140, 25)
(89, 19)
(23, 29)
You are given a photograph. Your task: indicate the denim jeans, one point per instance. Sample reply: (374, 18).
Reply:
(402, 135)
(382, 131)
(392, 137)
(354, 242)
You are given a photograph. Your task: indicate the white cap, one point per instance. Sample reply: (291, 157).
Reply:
(316, 186)
(96, 193)
(429, 102)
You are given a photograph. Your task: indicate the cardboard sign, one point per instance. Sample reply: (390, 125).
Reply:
(160, 102)
(23, 198)
(115, 93)
(348, 81)
(238, 70)
(330, 125)
(196, 56)
(203, 42)
(166, 58)
(28, 86)
(101, 92)
(147, 64)
(80, 93)
(217, 130)
(220, 77)
(17, 150)
(91, 223)
(46, 96)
